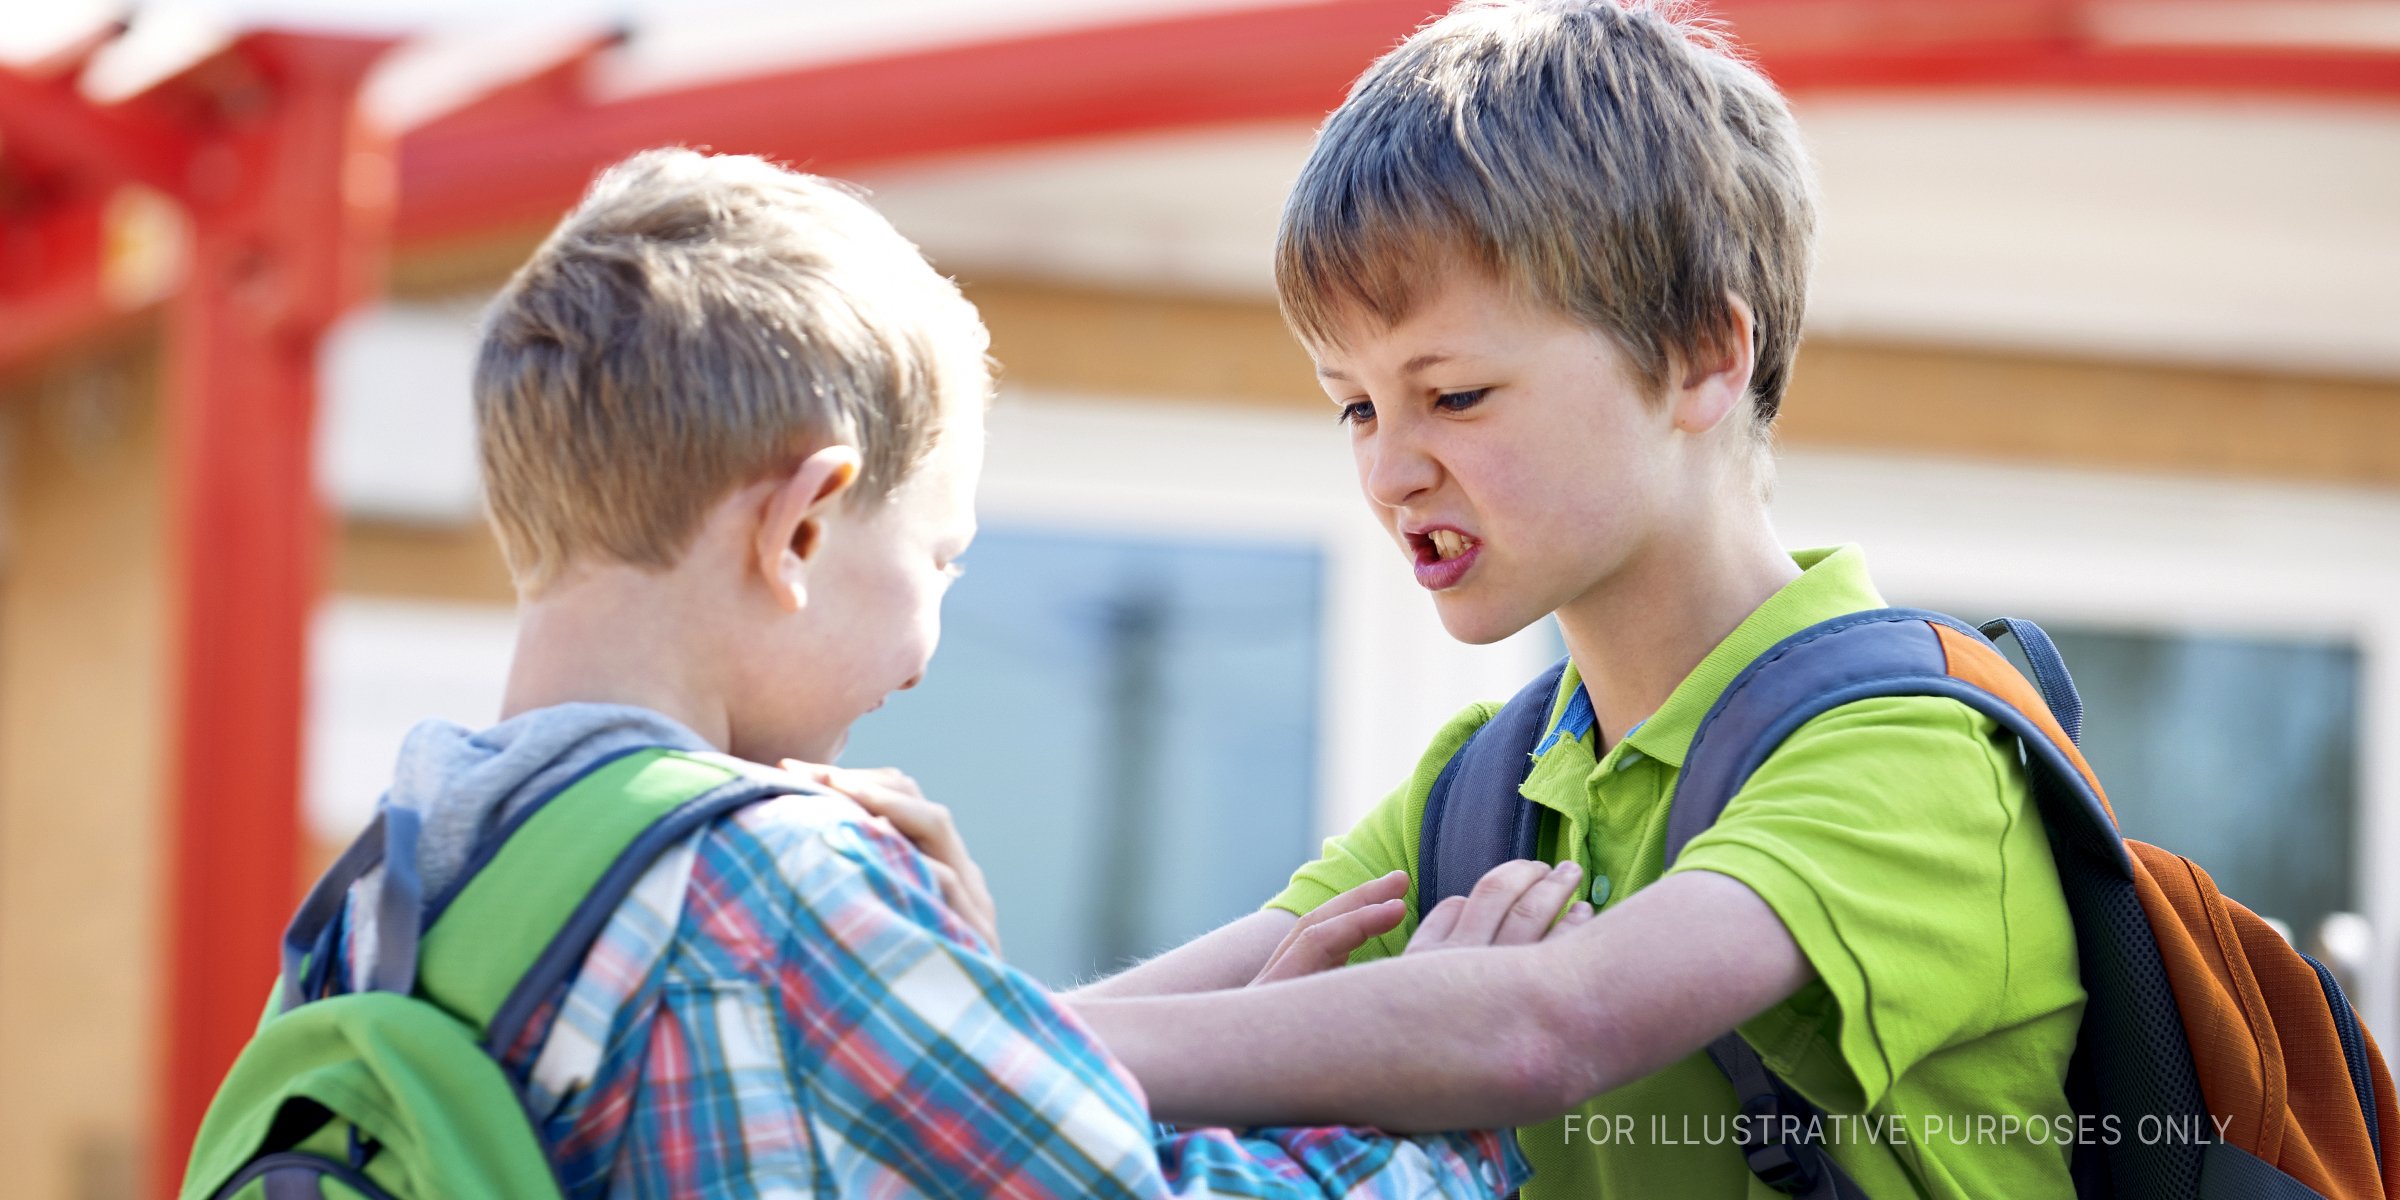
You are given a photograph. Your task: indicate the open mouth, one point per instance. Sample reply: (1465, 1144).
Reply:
(1443, 557)
(1441, 545)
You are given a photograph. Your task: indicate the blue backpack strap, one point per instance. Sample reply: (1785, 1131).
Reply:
(1475, 818)
(1860, 656)
(2049, 671)
(2133, 1058)
(1804, 674)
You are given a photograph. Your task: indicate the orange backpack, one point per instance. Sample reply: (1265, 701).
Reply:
(2200, 1018)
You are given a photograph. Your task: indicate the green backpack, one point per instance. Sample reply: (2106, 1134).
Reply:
(397, 1090)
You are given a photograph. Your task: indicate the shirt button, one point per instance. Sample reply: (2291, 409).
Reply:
(1599, 889)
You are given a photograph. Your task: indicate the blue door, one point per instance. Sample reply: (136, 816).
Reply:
(1126, 729)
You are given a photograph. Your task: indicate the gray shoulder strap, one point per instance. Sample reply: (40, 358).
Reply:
(1475, 819)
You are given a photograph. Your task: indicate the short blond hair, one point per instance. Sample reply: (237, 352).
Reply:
(697, 323)
(1614, 162)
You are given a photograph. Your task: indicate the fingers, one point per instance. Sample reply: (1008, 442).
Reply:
(1328, 943)
(842, 779)
(1539, 905)
(947, 878)
(1438, 927)
(1454, 923)
(1374, 894)
(1379, 890)
(1515, 903)
(894, 796)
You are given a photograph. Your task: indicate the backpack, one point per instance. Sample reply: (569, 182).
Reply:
(397, 1090)
(2196, 1008)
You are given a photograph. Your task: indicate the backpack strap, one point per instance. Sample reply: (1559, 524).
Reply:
(523, 923)
(1890, 652)
(532, 899)
(1475, 818)
(2355, 1058)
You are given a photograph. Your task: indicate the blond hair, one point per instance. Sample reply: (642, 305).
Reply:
(1610, 161)
(697, 323)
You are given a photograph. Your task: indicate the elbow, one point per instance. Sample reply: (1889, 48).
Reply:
(1534, 1087)
(1565, 1050)
(1544, 1071)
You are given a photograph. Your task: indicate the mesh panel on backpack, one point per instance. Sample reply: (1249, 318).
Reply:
(2131, 1058)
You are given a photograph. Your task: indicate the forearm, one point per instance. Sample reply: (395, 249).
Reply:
(1227, 957)
(1454, 1040)
(1467, 1038)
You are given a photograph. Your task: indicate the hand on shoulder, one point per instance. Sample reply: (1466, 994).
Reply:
(892, 797)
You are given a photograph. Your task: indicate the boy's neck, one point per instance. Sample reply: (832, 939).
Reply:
(608, 639)
(1639, 634)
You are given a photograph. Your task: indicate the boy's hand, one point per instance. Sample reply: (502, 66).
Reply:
(1325, 937)
(1513, 904)
(893, 796)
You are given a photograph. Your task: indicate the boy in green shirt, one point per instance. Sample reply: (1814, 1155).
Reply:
(1551, 259)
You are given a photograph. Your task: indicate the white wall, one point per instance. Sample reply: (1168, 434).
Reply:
(2218, 231)
(377, 667)
(396, 428)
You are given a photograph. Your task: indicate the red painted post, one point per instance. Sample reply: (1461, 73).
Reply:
(287, 231)
(51, 286)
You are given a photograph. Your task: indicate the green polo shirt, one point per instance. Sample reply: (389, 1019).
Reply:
(1897, 841)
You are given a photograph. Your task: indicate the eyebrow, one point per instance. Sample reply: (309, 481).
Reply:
(1410, 367)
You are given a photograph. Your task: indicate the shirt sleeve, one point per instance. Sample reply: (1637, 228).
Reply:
(931, 1064)
(1383, 841)
(1897, 841)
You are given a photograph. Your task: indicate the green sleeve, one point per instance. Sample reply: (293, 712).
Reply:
(1383, 841)
(1897, 840)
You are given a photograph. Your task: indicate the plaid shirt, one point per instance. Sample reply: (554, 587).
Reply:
(784, 1007)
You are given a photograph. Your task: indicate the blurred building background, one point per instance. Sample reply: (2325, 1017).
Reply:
(2104, 335)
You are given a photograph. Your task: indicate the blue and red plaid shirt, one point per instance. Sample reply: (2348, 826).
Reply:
(784, 1007)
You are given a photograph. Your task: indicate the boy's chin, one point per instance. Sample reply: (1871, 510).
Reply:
(794, 746)
(1479, 624)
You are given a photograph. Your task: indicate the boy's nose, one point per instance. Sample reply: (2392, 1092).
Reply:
(1396, 474)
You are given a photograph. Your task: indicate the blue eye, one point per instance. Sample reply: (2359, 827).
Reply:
(1355, 412)
(1461, 401)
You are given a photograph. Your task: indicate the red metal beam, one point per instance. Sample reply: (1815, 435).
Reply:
(1157, 74)
(2192, 70)
(521, 163)
(47, 125)
(284, 244)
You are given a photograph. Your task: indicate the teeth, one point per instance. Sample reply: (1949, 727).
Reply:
(1448, 543)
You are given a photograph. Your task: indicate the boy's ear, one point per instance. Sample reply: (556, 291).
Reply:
(1716, 381)
(792, 527)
